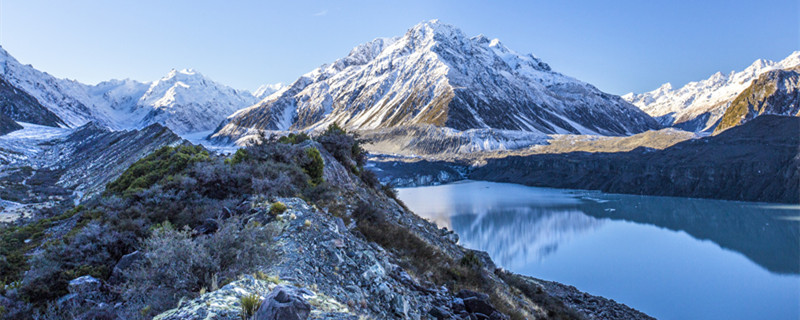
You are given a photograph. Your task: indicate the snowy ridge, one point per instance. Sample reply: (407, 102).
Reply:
(704, 101)
(267, 89)
(185, 100)
(435, 75)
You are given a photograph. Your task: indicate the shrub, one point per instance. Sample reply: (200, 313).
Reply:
(294, 138)
(249, 305)
(161, 164)
(314, 166)
(277, 208)
(238, 157)
(175, 265)
(343, 146)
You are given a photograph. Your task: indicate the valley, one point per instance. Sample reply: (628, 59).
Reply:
(182, 198)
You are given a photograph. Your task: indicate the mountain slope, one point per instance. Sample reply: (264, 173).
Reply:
(435, 75)
(774, 92)
(698, 106)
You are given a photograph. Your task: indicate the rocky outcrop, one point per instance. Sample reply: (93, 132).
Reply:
(327, 263)
(757, 161)
(284, 302)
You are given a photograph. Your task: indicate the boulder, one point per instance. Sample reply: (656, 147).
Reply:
(283, 303)
(84, 285)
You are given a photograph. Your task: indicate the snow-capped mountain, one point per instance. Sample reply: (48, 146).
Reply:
(434, 74)
(70, 100)
(185, 100)
(699, 105)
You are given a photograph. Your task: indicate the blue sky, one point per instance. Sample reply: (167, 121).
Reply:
(619, 46)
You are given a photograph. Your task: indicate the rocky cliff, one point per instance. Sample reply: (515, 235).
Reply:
(757, 161)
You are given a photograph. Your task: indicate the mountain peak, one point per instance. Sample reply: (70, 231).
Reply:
(434, 30)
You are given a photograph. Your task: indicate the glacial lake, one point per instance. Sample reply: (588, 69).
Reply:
(672, 258)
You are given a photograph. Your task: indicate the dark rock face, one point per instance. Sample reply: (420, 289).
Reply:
(774, 92)
(20, 106)
(757, 161)
(8, 125)
(283, 303)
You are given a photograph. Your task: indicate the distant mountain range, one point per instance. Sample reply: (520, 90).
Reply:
(436, 75)
(431, 86)
(183, 100)
(699, 106)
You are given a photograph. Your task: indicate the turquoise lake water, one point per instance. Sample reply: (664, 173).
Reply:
(672, 258)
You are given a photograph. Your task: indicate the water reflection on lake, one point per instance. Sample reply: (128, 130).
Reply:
(673, 258)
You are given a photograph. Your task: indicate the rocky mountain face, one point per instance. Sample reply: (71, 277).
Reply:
(7, 124)
(436, 75)
(774, 92)
(17, 105)
(757, 161)
(185, 100)
(698, 106)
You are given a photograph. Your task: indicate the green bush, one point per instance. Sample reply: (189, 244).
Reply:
(277, 208)
(239, 157)
(294, 138)
(314, 166)
(161, 164)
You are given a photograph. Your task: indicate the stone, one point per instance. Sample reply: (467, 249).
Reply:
(440, 313)
(374, 273)
(476, 305)
(84, 285)
(401, 307)
(124, 263)
(283, 303)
